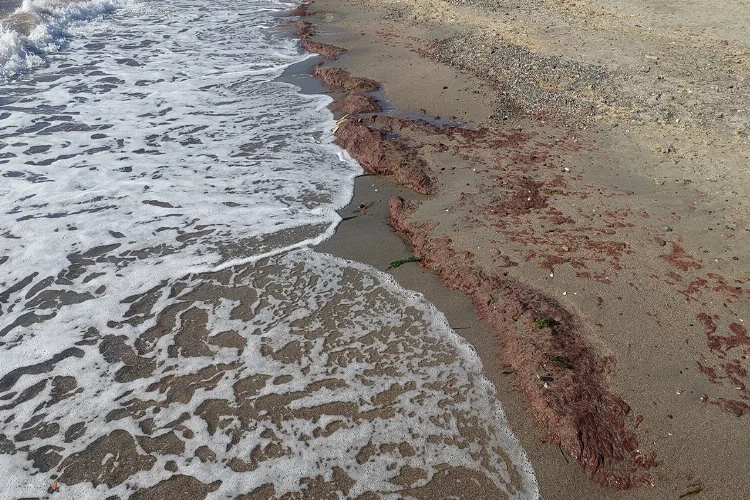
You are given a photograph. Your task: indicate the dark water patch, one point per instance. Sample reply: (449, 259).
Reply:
(4, 115)
(66, 127)
(48, 78)
(60, 118)
(99, 136)
(25, 320)
(99, 149)
(28, 130)
(9, 380)
(17, 287)
(26, 395)
(46, 162)
(59, 215)
(192, 236)
(3, 259)
(160, 204)
(103, 89)
(37, 149)
(194, 130)
(37, 109)
(141, 44)
(9, 6)
(41, 285)
(7, 155)
(100, 250)
(56, 299)
(128, 62)
(46, 457)
(144, 83)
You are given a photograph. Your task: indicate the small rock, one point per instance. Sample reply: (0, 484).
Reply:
(658, 241)
(668, 229)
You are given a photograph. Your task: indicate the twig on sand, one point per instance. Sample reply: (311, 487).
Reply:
(692, 492)
(338, 123)
(563, 454)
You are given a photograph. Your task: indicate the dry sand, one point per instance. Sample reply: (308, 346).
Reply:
(596, 210)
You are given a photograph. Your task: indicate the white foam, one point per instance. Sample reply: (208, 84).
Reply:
(356, 327)
(157, 147)
(38, 29)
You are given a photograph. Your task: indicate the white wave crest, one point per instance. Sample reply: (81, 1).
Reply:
(38, 29)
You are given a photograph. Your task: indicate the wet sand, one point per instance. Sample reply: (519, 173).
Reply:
(602, 239)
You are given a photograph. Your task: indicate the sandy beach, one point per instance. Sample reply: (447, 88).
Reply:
(538, 289)
(573, 179)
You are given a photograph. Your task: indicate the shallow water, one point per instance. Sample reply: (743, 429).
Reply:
(163, 321)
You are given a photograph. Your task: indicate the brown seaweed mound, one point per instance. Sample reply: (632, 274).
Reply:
(560, 375)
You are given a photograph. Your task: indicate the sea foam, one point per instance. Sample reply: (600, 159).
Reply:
(37, 29)
(160, 192)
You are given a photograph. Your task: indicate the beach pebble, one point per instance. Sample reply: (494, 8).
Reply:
(658, 241)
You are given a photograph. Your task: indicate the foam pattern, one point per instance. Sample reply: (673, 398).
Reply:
(300, 370)
(36, 30)
(163, 322)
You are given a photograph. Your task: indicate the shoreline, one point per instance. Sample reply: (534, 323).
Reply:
(368, 138)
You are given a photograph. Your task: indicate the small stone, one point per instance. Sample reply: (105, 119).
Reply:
(171, 466)
(658, 241)
(668, 229)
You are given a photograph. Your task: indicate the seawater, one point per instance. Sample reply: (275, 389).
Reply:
(165, 321)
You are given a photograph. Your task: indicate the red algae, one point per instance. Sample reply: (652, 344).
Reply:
(571, 403)
(560, 374)
(738, 408)
(708, 323)
(341, 79)
(679, 258)
(730, 370)
(525, 198)
(381, 156)
(355, 103)
(365, 144)
(720, 344)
